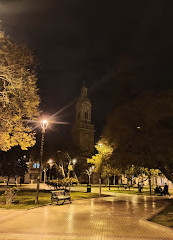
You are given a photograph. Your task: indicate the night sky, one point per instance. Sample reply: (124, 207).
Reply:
(78, 40)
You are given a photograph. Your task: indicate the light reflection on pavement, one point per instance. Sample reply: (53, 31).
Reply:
(113, 217)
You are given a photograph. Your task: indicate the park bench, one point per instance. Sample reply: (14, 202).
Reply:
(60, 196)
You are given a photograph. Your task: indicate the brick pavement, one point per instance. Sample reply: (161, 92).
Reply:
(96, 219)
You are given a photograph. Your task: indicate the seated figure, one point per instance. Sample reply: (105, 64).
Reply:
(158, 190)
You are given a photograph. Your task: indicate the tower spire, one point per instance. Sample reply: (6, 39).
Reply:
(84, 83)
(84, 89)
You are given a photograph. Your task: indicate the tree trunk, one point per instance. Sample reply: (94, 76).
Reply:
(156, 180)
(7, 181)
(89, 179)
(114, 180)
(128, 185)
(109, 184)
(15, 179)
(100, 185)
(142, 179)
(149, 179)
(45, 176)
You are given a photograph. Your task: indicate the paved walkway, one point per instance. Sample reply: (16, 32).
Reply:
(92, 219)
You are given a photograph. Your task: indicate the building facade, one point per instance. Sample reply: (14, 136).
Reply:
(83, 130)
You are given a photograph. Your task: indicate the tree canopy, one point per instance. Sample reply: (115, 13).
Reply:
(142, 130)
(19, 98)
(13, 163)
(100, 159)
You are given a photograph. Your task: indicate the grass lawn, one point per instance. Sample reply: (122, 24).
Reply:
(145, 191)
(165, 218)
(25, 199)
(131, 191)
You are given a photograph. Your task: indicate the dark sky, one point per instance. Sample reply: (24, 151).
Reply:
(76, 40)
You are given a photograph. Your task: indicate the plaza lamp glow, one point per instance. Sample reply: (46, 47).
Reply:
(74, 161)
(50, 162)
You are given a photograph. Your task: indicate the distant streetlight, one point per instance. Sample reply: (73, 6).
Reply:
(50, 161)
(74, 161)
(44, 125)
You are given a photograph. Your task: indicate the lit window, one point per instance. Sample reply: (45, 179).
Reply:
(34, 165)
(38, 165)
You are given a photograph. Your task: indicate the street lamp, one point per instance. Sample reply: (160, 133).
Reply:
(74, 161)
(89, 173)
(44, 125)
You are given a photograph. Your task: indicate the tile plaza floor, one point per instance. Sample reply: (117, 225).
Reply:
(114, 217)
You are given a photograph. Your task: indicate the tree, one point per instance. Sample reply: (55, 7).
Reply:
(109, 172)
(13, 164)
(142, 130)
(149, 173)
(21, 167)
(66, 154)
(66, 164)
(129, 173)
(100, 159)
(19, 99)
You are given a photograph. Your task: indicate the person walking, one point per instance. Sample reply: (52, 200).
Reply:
(165, 191)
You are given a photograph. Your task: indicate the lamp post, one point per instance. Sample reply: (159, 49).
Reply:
(45, 170)
(74, 161)
(89, 173)
(50, 165)
(44, 125)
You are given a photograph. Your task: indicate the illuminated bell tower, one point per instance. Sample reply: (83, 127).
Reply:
(83, 130)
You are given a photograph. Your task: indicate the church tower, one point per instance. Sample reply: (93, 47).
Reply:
(83, 130)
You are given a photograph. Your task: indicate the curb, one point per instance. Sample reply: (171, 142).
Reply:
(146, 221)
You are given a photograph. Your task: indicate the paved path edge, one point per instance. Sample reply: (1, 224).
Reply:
(163, 228)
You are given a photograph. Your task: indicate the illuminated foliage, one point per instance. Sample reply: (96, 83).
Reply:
(104, 150)
(19, 100)
(109, 172)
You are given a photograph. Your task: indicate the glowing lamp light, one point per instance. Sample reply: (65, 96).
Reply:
(92, 167)
(50, 162)
(138, 127)
(44, 124)
(74, 161)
